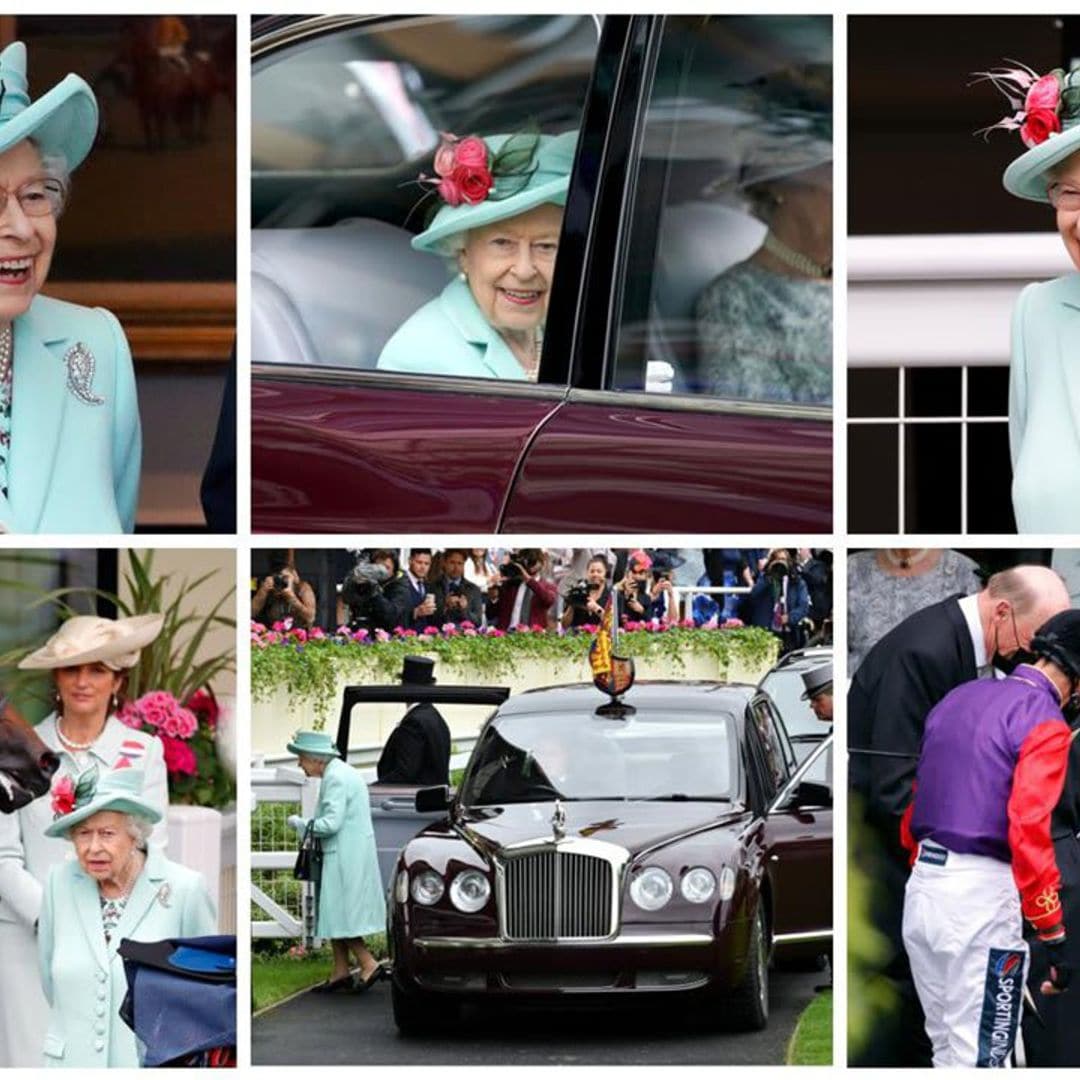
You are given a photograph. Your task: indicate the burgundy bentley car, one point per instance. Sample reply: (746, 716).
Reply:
(624, 429)
(666, 845)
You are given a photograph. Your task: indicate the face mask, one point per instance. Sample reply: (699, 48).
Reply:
(1009, 664)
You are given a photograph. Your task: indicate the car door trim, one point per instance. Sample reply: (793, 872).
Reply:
(803, 935)
(388, 380)
(637, 399)
(796, 777)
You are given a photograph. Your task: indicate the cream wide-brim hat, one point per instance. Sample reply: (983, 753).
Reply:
(90, 639)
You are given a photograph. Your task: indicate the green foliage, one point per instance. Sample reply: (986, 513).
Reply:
(811, 1044)
(309, 671)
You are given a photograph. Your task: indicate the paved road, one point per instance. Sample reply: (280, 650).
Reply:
(339, 1029)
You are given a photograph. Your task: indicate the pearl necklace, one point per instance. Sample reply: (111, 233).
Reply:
(796, 259)
(71, 744)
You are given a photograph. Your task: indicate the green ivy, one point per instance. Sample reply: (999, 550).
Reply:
(310, 672)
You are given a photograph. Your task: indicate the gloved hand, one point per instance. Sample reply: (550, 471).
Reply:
(1060, 968)
(295, 821)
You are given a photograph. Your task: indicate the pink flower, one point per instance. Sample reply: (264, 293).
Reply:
(498, 633)
(1038, 126)
(467, 624)
(450, 191)
(362, 634)
(444, 156)
(204, 704)
(408, 633)
(1045, 93)
(472, 152)
(129, 714)
(63, 795)
(298, 634)
(180, 724)
(474, 183)
(316, 633)
(156, 707)
(382, 635)
(179, 757)
(469, 632)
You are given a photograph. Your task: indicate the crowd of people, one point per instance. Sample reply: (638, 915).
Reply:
(783, 590)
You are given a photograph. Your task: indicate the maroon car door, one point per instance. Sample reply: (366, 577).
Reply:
(799, 846)
(339, 451)
(673, 463)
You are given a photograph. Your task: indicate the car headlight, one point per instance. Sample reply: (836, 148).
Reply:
(727, 883)
(470, 891)
(652, 888)
(698, 885)
(401, 886)
(427, 888)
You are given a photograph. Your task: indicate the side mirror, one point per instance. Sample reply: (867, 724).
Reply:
(811, 794)
(433, 800)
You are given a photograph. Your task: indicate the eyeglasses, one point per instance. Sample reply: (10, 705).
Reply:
(40, 197)
(1064, 197)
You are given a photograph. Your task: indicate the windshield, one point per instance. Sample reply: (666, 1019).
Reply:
(574, 757)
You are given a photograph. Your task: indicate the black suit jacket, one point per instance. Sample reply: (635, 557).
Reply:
(902, 678)
(418, 750)
(474, 613)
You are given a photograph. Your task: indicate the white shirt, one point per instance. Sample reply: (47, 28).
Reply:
(969, 608)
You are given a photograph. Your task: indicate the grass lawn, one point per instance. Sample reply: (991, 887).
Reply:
(277, 976)
(812, 1042)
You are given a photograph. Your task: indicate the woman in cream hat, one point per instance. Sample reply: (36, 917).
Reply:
(1044, 380)
(116, 888)
(89, 658)
(70, 442)
(350, 897)
(499, 216)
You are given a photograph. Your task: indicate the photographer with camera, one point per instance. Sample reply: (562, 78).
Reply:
(457, 599)
(586, 599)
(283, 595)
(376, 594)
(664, 606)
(522, 593)
(779, 600)
(634, 598)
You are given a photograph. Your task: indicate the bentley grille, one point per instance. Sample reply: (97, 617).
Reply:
(555, 894)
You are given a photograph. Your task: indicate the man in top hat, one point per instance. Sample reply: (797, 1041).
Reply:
(418, 750)
(991, 771)
(818, 691)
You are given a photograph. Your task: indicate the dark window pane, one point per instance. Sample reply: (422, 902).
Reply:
(989, 479)
(988, 391)
(872, 468)
(932, 477)
(932, 392)
(873, 391)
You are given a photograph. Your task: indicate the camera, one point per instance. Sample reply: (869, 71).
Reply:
(281, 582)
(363, 579)
(578, 593)
(780, 567)
(511, 571)
(456, 589)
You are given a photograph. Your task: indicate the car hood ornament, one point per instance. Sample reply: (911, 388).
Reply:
(558, 821)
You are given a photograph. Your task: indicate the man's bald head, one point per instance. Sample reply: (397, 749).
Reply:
(1016, 602)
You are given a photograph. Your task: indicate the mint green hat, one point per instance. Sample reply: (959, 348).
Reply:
(512, 193)
(63, 121)
(312, 743)
(117, 789)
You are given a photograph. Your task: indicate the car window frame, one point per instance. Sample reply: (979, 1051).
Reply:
(781, 803)
(554, 381)
(615, 272)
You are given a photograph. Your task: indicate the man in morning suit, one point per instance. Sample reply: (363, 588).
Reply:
(418, 750)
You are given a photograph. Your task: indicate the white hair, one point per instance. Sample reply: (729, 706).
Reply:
(138, 828)
(54, 164)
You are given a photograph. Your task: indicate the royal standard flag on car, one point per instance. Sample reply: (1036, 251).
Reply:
(600, 650)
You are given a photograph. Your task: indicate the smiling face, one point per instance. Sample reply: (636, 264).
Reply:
(1065, 183)
(596, 572)
(104, 846)
(85, 690)
(509, 266)
(26, 242)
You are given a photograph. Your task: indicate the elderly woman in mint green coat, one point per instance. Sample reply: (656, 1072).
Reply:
(499, 216)
(116, 888)
(1044, 379)
(351, 903)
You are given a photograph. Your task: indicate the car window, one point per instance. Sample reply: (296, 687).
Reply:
(778, 754)
(540, 758)
(345, 130)
(785, 686)
(726, 277)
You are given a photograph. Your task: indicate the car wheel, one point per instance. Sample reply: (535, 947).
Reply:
(748, 1005)
(418, 1013)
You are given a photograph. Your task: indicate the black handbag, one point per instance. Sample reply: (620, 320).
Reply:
(309, 858)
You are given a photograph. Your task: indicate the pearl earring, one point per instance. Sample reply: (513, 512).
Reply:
(463, 276)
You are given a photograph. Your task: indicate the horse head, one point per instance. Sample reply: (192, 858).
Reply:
(26, 763)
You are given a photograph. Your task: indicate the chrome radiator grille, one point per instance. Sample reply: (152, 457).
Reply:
(554, 894)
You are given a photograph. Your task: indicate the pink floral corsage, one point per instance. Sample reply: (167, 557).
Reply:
(1034, 99)
(463, 170)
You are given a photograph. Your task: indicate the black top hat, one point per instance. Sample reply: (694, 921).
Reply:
(665, 560)
(418, 670)
(1058, 640)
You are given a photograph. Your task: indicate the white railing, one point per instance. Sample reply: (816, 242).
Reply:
(939, 301)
